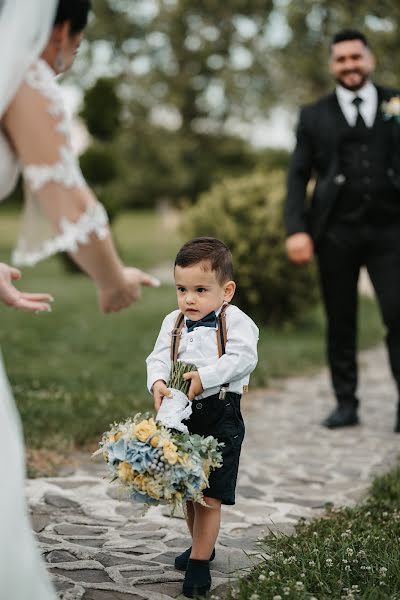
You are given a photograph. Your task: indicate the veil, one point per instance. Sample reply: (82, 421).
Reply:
(24, 30)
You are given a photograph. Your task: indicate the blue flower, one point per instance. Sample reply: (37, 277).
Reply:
(140, 455)
(116, 450)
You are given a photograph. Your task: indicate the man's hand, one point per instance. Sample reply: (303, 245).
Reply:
(196, 387)
(11, 296)
(300, 248)
(128, 292)
(160, 390)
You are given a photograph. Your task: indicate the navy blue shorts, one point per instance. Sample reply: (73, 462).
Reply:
(223, 420)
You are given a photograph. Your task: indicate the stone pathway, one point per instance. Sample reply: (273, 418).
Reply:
(100, 547)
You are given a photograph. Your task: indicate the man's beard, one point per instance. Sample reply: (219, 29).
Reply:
(353, 88)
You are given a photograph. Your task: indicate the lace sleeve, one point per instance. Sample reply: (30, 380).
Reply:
(60, 211)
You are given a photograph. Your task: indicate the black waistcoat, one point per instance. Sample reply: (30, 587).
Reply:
(368, 194)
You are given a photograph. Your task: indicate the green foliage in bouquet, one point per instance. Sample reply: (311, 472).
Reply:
(247, 214)
(176, 380)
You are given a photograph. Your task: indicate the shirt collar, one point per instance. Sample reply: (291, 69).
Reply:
(367, 92)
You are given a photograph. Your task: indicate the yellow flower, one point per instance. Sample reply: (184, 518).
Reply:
(140, 481)
(184, 459)
(155, 440)
(152, 489)
(145, 429)
(170, 452)
(125, 471)
(114, 437)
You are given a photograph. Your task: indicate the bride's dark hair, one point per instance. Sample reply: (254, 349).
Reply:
(76, 12)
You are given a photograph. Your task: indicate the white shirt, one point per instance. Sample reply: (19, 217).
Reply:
(368, 107)
(200, 347)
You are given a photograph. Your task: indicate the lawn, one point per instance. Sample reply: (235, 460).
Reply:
(74, 371)
(347, 554)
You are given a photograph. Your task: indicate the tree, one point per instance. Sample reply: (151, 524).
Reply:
(182, 71)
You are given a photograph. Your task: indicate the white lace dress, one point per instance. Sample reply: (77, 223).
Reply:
(60, 214)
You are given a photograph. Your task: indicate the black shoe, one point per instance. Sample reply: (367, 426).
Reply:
(181, 561)
(342, 416)
(197, 582)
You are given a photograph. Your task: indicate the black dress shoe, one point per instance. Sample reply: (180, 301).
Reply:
(197, 582)
(181, 561)
(342, 416)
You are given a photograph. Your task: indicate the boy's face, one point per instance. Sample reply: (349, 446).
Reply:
(199, 291)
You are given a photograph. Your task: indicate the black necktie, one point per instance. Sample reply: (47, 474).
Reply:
(360, 123)
(209, 320)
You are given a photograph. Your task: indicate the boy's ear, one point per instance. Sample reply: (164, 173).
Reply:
(229, 290)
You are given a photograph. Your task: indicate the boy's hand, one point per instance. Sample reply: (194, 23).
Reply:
(159, 391)
(196, 387)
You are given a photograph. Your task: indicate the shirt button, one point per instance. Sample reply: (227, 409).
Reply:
(199, 405)
(366, 163)
(190, 339)
(367, 180)
(364, 147)
(367, 197)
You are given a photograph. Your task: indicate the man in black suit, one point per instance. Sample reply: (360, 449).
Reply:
(350, 142)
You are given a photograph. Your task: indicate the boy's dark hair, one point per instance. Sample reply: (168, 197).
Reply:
(347, 35)
(74, 11)
(207, 249)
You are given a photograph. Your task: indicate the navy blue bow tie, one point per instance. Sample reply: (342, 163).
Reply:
(209, 320)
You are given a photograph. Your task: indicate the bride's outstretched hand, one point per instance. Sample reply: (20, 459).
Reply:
(115, 299)
(13, 297)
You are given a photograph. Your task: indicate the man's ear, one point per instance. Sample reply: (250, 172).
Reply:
(229, 290)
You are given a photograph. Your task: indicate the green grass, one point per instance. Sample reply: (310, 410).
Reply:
(74, 371)
(348, 553)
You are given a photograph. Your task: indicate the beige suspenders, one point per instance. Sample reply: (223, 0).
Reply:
(221, 340)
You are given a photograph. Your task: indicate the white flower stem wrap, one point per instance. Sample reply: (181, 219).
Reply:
(174, 410)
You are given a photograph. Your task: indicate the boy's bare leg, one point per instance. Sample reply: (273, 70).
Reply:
(190, 516)
(206, 526)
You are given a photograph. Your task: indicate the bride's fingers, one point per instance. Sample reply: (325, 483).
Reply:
(37, 297)
(32, 306)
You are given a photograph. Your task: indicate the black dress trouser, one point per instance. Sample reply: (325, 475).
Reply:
(344, 249)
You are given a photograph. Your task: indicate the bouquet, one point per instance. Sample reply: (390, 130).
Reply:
(157, 460)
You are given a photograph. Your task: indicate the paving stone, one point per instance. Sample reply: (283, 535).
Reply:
(83, 575)
(46, 540)
(40, 521)
(58, 556)
(110, 595)
(171, 590)
(248, 491)
(92, 543)
(112, 560)
(60, 501)
(71, 529)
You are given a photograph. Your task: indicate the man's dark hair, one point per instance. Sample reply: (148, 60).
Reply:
(347, 35)
(207, 249)
(76, 12)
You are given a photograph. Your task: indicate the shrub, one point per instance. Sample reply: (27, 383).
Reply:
(246, 213)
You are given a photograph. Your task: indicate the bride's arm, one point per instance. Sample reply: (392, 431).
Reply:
(39, 131)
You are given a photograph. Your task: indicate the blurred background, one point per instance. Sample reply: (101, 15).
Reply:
(184, 115)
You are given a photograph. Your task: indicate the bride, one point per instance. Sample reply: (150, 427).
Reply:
(60, 214)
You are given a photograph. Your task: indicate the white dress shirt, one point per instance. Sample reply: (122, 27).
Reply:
(199, 347)
(368, 107)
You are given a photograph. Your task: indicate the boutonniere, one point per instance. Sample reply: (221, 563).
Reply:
(391, 109)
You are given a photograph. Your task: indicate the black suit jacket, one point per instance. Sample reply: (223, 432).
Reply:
(319, 132)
